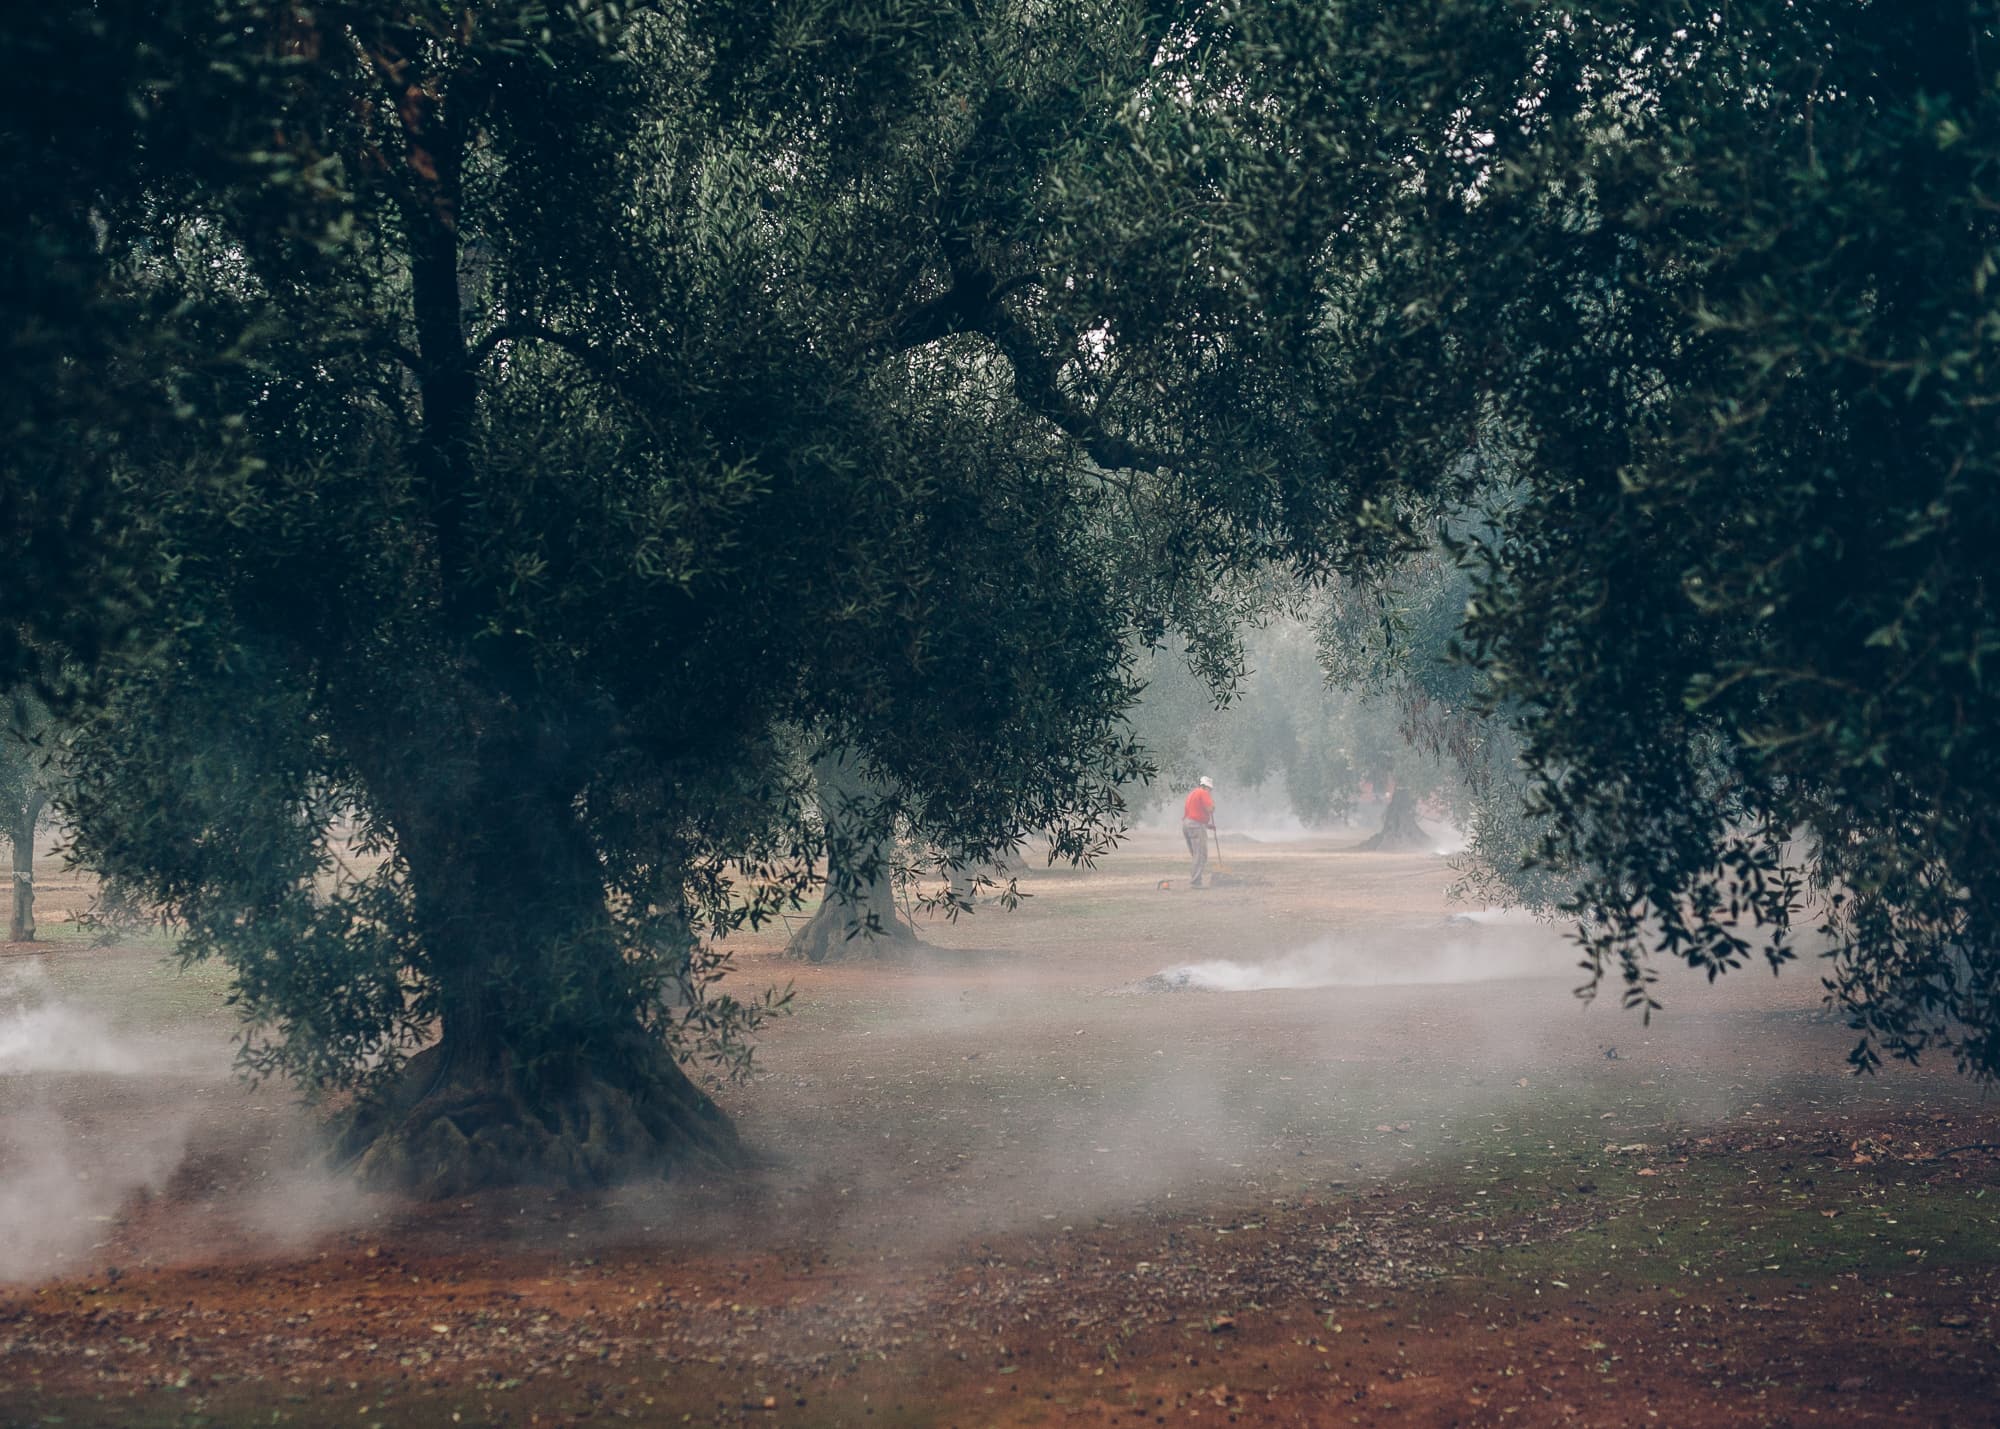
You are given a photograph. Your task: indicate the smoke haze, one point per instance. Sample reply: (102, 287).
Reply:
(1078, 1059)
(99, 1118)
(1341, 963)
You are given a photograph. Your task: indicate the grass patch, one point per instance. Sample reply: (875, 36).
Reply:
(1745, 1219)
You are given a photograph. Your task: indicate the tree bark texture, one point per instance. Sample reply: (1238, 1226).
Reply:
(858, 912)
(451, 1128)
(545, 1071)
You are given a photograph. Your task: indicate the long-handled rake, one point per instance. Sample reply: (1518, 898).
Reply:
(1167, 884)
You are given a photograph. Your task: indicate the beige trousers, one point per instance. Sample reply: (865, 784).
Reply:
(1196, 835)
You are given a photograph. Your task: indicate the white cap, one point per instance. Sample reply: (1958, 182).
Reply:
(1206, 782)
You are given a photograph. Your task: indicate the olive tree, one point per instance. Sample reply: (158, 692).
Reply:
(565, 407)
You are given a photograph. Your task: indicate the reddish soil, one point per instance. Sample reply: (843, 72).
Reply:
(1004, 1185)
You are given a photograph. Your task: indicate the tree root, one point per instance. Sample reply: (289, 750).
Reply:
(442, 1130)
(1398, 841)
(1400, 830)
(840, 930)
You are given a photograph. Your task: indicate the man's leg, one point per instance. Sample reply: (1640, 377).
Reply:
(1197, 842)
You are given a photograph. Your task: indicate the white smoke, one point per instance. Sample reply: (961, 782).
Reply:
(1448, 841)
(40, 1034)
(52, 1038)
(97, 1117)
(1362, 963)
(1490, 916)
(60, 1193)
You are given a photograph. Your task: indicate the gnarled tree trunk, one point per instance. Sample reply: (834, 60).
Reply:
(1400, 830)
(858, 912)
(546, 1071)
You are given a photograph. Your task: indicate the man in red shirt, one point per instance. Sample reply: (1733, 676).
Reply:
(1197, 819)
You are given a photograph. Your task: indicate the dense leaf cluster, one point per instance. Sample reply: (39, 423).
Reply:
(1738, 599)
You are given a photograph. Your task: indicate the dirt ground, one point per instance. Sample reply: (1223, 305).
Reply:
(1004, 1182)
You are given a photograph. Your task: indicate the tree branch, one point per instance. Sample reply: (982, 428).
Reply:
(974, 302)
(960, 308)
(1037, 385)
(593, 360)
(966, 306)
(973, 305)
(390, 347)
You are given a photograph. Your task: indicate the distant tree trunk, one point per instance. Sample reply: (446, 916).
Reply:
(1400, 829)
(21, 914)
(858, 913)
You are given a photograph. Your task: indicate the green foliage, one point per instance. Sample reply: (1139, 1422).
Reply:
(1396, 635)
(30, 761)
(32, 768)
(1693, 308)
(561, 407)
(504, 428)
(1734, 285)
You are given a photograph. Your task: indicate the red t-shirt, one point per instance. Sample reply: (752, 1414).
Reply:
(1200, 806)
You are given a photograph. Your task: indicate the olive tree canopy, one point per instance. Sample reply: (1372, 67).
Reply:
(550, 412)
